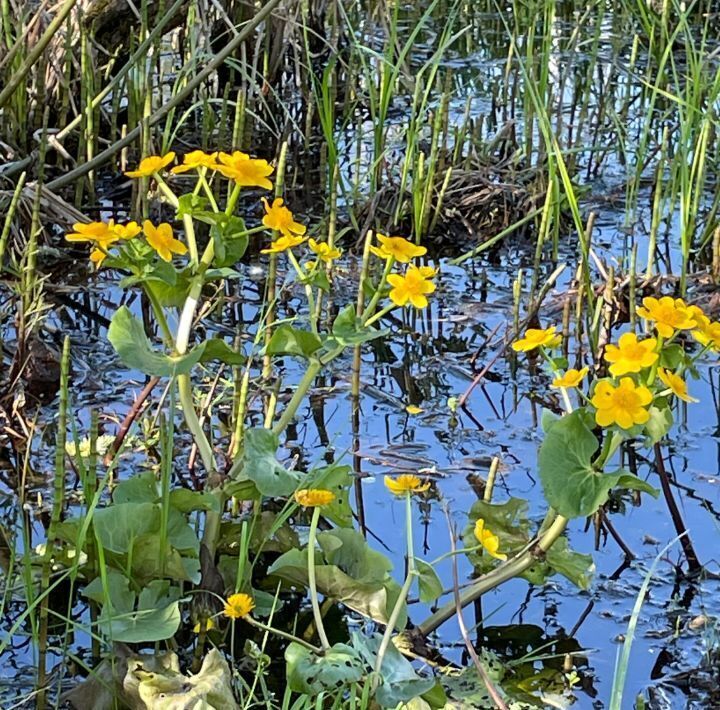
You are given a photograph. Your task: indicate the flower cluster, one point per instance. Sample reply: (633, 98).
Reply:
(634, 363)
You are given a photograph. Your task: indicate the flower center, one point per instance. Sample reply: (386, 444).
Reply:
(625, 399)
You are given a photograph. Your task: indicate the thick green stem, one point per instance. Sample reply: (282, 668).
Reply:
(378, 291)
(402, 597)
(379, 315)
(512, 568)
(312, 583)
(300, 391)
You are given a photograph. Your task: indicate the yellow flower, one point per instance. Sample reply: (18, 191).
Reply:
(238, 606)
(282, 244)
(406, 483)
(244, 170)
(324, 251)
(428, 272)
(161, 239)
(535, 338)
(624, 405)
(281, 219)
(676, 384)
(209, 624)
(411, 287)
(97, 256)
(104, 234)
(571, 378)
(398, 248)
(631, 354)
(669, 314)
(314, 497)
(488, 540)
(196, 159)
(127, 231)
(705, 331)
(152, 164)
(101, 232)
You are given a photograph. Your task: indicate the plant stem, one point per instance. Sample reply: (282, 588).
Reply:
(379, 315)
(390, 628)
(692, 559)
(378, 291)
(298, 396)
(507, 570)
(312, 583)
(283, 634)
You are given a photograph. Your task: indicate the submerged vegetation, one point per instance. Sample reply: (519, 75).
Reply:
(352, 350)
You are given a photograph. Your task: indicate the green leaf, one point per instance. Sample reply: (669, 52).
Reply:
(571, 484)
(218, 349)
(348, 329)
(629, 482)
(186, 500)
(430, 585)
(230, 238)
(287, 340)
(659, 424)
(307, 673)
(400, 683)
(191, 205)
(120, 523)
(671, 356)
(130, 342)
(154, 615)
(141, 488)
(373, 595)
(259, 465)
(317, 278)
(146, 561)
(576, 567)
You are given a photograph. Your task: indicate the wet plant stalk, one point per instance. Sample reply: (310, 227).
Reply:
(507, 570)
(317, 616)
(58, 498)
(395, 614)
(692, 559)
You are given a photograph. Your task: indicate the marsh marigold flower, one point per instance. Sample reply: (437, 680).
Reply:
(667, 313)
(151, 164)
(104, 235)
(282, 244)
(398, 248)
(488, 540)
(676, 384)
(314, 497)
(406, 483)
(244, 170)
(161, 239)
(631, 354)
(571, 378)
(238, 606)
(196, 159)
(705, 331)
(127, 231)
(280, 218)
(411, 287)
(93, 232)
(324, 251)
(625, 405)
(537, 337)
